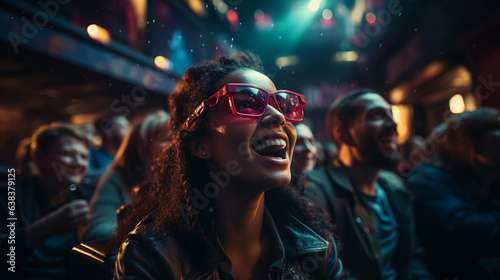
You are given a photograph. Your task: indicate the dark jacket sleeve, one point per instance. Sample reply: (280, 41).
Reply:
(135, 260)
(335, 264)
(450, 213)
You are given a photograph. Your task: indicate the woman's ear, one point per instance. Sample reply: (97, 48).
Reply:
(199, 148)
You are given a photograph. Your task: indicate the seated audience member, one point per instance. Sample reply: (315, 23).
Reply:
(305, 154)
(25, 167)
(434, 140)
(112, 129)
(133, 164)
(457, 201)
(370, 207)
(50, 208)
(219, 207)
(331, 152)
(412, 154)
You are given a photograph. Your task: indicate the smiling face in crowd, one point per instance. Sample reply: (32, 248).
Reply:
(65, 163)
(374, 131)
(262, 147)
(305, 153)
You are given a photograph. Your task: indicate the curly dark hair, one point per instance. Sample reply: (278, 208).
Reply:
(179, 173)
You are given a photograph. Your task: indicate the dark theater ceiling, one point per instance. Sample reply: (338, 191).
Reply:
(333, 42)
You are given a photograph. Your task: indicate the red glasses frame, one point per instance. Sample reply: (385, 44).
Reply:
(230, 89)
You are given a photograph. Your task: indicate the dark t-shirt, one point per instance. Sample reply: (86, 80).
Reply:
(387, 229)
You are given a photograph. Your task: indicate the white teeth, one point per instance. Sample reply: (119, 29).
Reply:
(271, 142)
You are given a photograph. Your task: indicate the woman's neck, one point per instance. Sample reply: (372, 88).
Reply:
(239, 222)
(239, 225)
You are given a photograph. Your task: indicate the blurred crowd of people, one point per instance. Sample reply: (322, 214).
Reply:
(212, 189)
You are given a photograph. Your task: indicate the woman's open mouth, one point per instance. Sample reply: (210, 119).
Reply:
(274, 147)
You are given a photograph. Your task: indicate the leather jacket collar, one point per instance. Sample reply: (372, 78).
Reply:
(290, 239)
(293, 244)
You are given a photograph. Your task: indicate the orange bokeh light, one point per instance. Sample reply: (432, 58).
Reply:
(162, 62)
(98, 33)
(371, 18)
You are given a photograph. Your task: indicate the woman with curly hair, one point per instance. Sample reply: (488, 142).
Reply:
(218, 207)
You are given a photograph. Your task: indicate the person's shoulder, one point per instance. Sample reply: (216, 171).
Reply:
(320, 174)
(144, 252)
(316, 171)
(429, 172)
(314, 180)
(109, 181)
(391, 179)
(389, 175)
(146, 241)
(431, 177)
(145, 231)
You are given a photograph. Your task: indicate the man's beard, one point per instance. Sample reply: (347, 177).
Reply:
(371, 150)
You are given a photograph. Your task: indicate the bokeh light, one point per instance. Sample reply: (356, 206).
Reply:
(285, 61)
(327, 14)
(371, 18)
(233, 19)
(162, 62)
(346, 56)
(262, 20)
(314, 5)
(98, 33)
(457, 104)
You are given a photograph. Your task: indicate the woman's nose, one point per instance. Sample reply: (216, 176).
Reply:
(273, 117)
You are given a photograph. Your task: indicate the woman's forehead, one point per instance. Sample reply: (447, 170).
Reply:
(248, 76)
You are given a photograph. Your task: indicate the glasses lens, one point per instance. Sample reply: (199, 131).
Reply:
(250, 101)
(290, 106)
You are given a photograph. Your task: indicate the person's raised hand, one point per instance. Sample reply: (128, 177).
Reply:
(67, 218)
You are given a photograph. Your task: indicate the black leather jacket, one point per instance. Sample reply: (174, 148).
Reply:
(298, 253)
